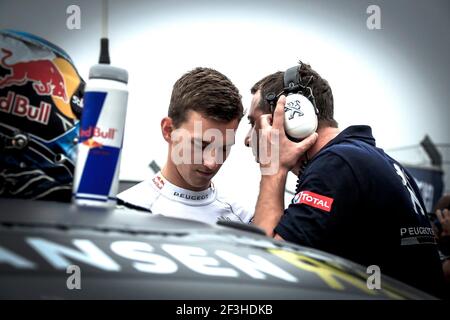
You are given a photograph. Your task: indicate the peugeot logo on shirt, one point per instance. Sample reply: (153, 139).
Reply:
(191, 197)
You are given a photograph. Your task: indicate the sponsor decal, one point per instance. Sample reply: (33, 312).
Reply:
(20, 106)
(159, 182)
(44, 74)
(55, 78)
(333, 275)
(191, 197)
(417, 236)
(294, 107)
(97, 132)
(181, 260)
(92, 144)
(313, 200)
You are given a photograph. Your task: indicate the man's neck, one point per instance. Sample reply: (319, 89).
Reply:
(326, 134)
(171, 174)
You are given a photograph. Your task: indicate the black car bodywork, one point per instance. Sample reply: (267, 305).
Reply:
(125, 254)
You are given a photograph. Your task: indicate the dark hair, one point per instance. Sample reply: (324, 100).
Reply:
(272, 82)
(208, 92)
(320, 87)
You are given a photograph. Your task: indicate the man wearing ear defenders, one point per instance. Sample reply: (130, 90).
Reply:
(352, 199)
(204, 112)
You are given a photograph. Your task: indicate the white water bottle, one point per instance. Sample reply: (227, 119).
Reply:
(102, 127)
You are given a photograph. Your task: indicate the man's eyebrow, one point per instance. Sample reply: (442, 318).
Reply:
(200, 140)
(205, 142)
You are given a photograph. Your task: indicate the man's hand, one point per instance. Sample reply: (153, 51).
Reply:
(444, 219)
(279, 156)
(275, 150)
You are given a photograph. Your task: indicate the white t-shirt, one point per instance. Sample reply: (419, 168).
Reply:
(162, 197)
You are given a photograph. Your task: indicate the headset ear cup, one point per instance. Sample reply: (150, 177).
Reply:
(271, 98)
(300, 116)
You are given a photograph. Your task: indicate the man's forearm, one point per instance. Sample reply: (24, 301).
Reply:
(270, 204)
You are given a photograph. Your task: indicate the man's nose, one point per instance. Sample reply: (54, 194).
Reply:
(211, 160)
(211, 163)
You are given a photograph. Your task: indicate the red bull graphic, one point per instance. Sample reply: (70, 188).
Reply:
(159, 183)
(87, 136)
(97, 132)
(20, 106)
(45, 75)
(92, 144)
(40, 89)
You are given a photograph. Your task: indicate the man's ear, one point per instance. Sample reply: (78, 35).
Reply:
(167, 128)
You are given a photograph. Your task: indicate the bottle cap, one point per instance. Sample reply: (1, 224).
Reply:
(104, 71)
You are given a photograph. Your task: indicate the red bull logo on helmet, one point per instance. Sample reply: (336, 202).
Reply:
(20, 106)
(46, 77)
(38, 70)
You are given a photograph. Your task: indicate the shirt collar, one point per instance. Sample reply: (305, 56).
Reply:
(189, 197)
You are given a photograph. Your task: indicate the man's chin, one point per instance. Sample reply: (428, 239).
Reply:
(200, 183)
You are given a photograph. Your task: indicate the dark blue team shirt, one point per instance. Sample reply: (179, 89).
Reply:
(355, 201)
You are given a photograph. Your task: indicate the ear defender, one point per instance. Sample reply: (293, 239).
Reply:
(300, 111)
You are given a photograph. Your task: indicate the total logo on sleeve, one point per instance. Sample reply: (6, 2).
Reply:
(314, 200)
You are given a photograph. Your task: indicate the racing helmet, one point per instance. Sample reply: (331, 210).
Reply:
(40, 106)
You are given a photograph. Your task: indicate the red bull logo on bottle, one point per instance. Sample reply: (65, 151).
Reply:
(97, 132)
(91, 143)
(90, 135)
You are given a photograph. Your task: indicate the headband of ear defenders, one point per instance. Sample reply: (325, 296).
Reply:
(292, 79)
(293, 84)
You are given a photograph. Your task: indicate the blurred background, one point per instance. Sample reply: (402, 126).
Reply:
(395, 78)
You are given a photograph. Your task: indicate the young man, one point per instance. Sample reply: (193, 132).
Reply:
(352, 199)
(204, 113)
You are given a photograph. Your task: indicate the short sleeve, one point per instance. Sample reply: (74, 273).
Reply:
(327, 190)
